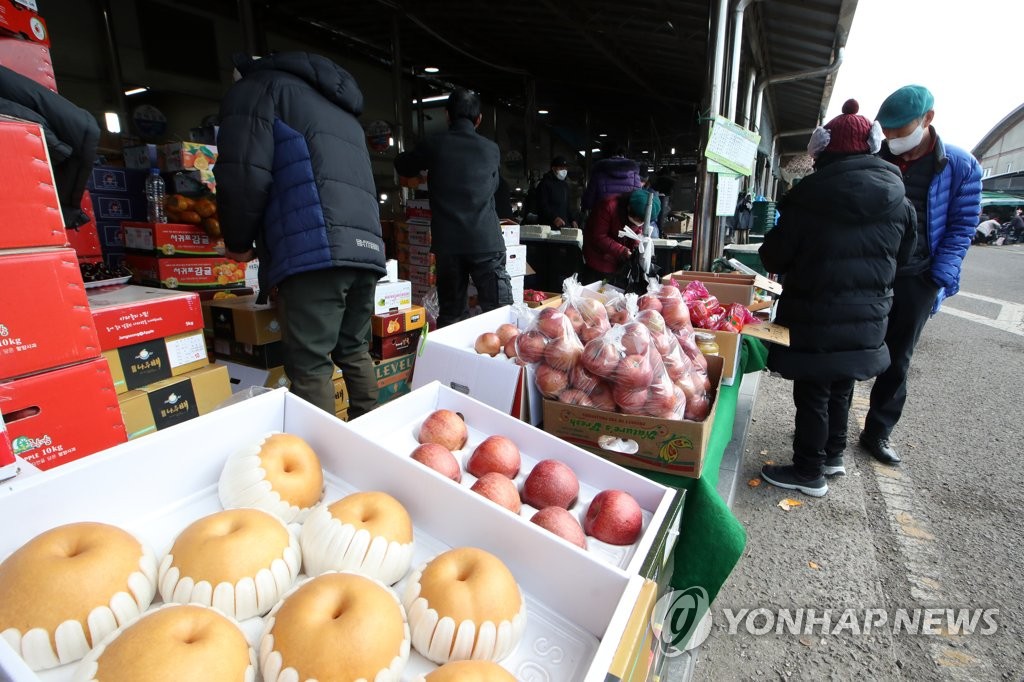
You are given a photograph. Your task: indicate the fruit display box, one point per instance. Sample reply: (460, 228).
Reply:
(171, 239)
(447, 355)
(396, 427)
(203, 272)
(577, 608)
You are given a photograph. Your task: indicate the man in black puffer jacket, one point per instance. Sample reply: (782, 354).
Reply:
(842, 233)
(294, 176)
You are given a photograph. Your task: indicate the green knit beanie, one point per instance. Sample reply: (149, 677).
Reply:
(638, 204)
(909, 103)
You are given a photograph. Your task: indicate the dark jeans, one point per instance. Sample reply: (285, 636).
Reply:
(487, 270)
(325, 321)
(822, 410)
(913, 297)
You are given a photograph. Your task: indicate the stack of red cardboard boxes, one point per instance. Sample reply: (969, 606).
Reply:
(181, 257)
(412, 240)
(153, 341)
(56, 394)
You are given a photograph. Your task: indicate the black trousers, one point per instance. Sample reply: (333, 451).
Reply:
(325, 321)
(822, 410)
(913, 297)
(487, 270)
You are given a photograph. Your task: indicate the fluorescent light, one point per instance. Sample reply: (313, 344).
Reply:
(519, 189)
(542, 111)
(602, 134)
(644, 152)
(435, 98)
(595, 150)
(113, 122)
(391, 142)
(135, 91)
(672, 151)
(430, 69)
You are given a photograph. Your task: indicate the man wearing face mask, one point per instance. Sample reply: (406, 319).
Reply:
(944, 185)
(553, 196)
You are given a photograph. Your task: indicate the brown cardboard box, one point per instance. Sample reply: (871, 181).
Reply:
(389, 324)
(144, 363)
(668, 445)
(726, 287)
(245, 321)
(174, 400)
(394, 376)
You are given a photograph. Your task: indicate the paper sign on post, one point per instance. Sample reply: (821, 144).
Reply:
(728, 191)
(732, 146)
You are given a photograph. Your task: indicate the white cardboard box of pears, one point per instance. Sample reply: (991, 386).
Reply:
(170, 487)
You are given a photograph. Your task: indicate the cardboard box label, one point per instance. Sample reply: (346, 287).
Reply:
(173, 404)
(131, 314)
(392, 296)
(187, 273)
(144, 363)
(109, 208)
(387, 347)
(178, 156)
(186, 350)
(171, 239)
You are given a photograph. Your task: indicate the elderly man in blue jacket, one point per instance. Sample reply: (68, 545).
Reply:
(944, 184)
(294, 176)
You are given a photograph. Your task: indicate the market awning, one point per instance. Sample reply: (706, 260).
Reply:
(1001, 199)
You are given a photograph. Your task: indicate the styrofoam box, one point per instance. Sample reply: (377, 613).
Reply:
(395, 426)
(510, 232)
(447, 355)
(518, 288)
(154, 487)
(515, 260)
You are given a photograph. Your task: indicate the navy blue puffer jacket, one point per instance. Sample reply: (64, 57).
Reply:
(293, 173)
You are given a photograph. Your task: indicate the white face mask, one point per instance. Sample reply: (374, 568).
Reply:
(902, 145)
(561, 174)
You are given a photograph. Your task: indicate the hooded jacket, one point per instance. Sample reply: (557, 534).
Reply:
(293, 173)
(603, 249)
(614, 175)
(71, 136)
(842, 232)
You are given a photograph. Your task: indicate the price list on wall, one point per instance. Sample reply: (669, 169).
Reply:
(732, 146)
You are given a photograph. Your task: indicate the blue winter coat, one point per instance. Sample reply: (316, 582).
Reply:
(293, 173)
(954, 202)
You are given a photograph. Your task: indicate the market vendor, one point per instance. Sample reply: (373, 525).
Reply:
(553, 196)
(604, 251)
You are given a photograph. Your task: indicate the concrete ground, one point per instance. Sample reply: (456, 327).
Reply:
(943, 530)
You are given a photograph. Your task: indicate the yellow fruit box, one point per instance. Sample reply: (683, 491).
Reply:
(178, 156)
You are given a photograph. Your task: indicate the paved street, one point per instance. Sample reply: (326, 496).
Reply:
(943, 530)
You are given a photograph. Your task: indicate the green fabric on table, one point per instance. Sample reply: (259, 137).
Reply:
(711, 539)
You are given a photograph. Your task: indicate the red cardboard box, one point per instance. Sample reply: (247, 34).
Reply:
(31, 60)
(30, 212)
(388, 347)
(44, 312)
(128, 315)
(207, 272)
(171, 239)
(59, 416)
(7, 462)
(85, 239)
(21, 19)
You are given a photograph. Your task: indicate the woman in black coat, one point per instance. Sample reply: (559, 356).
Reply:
(841, 234)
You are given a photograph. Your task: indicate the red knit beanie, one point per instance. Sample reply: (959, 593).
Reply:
(849, 132)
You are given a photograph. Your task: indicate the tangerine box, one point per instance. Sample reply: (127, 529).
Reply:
(186, 273)
(390, 324)
(171, 239)
(45, 320)
(178, 156)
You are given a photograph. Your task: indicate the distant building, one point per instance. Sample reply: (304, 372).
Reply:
(1001, 151)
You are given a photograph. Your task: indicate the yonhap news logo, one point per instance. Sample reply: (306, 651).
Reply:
(681, 620)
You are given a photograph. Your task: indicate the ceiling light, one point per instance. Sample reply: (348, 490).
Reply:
(135, 91)
(542, 111)
(430, 69)
(644, 152)
(672, 151)
(113, 122)
(435, 98)
(383, 197)
(602, 134)
(595, 150)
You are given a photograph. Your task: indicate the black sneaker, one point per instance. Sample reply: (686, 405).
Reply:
(787, 477)
(834, 466)
(880, 448)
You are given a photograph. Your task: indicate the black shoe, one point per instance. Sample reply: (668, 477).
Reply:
(834, 466)
(881, 449)
(787, 477)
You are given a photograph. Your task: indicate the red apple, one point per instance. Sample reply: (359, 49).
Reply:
(593, 312)
(614, 517)
(676, 314)
(563, 353)
(601, 397)
(575, 319)
(697, 409)
(669, 292)
(582, 379)
(438, 458)
(446, 428)
(530, 346)
(649, 302)
(488, 343)
(551, 381)
(510, 348)
(498, 489)
(634, 372)
(631, 400)
(636, 339)
(506, 331)
(495, 453)
(601, 357)
(551, 483)
(573, 396)
(652, 319)
(561, 523)
(552, 323)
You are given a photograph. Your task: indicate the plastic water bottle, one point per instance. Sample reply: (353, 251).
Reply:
(155, 190)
